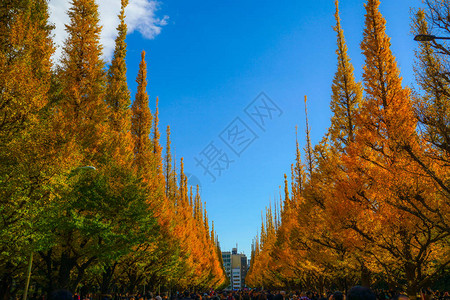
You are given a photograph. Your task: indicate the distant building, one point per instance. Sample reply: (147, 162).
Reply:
(226, 257)
(236, 268)
(236, 278)
(244, 269)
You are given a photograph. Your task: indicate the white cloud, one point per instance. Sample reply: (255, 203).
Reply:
(140, 16)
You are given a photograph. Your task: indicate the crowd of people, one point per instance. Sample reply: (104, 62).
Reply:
(355, 293)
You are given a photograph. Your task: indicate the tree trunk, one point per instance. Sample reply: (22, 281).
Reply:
(410, 272)
(5, 285)
(47, 257)
(366, 276)
(107, 279)
(66, 264)
(132, 279)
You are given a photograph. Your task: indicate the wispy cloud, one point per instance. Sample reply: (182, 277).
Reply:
(140, 16)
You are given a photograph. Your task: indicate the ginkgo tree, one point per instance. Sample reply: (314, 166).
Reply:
(371, 203)
(124, 223)
(27, 145)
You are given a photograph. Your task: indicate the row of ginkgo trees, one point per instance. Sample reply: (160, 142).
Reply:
(127, 222)
(370, 204)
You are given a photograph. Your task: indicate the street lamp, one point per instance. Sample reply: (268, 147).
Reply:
(73, 171)
(30, 262)
(85, 168)
(429, 38)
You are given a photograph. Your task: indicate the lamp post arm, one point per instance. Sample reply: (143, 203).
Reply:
(429, 38)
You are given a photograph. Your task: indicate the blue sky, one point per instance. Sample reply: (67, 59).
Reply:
(213, 58)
